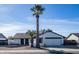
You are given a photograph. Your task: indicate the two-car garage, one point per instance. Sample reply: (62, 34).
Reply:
(51, 39)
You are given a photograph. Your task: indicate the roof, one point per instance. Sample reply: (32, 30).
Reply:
(2, 36)
(76, 34)
(25, 35)
(52, 32)
(21, 35)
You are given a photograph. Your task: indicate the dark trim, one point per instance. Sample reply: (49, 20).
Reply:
(20, 38)
(76, 35)
(53, 38)
(59, 34)
(51, 32)
(70, 35)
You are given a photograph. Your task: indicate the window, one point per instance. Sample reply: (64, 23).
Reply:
(53, 38)
(40, 40)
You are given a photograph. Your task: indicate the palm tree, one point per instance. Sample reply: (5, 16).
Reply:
(37, 10)
(43, 30)
(31, 34)
(11, 37)
(48, 30)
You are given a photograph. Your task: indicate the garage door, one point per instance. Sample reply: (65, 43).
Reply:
(51, 42)
(15, 41)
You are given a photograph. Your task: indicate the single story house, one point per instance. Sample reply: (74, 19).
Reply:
(19, 39)
(73, 37)
(50, 38)
(3, 39)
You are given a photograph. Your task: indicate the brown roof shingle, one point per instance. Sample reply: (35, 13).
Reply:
(21, 35)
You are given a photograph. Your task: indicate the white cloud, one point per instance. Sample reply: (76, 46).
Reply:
(62, 26)
(4, 9)
(58, 21)
(53, 21)
(12, 28)
(9, 25)
(59, 26)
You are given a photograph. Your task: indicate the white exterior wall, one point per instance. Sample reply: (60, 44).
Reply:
(15, 41)
(2, 38)
(50, 42)
(73, 37)
(34, 42)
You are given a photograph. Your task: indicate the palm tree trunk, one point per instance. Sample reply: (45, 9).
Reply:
(37, 31)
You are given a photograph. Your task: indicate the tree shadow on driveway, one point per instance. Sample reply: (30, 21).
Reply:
(58, 52)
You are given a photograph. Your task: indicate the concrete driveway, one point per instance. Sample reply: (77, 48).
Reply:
(63, 50)
(22, 50)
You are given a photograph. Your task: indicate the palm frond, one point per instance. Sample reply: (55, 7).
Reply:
(30, 33)
(37, 9)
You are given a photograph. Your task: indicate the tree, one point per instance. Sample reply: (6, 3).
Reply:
(42, 30)
(48, 30)
(37, 10)
(11, 37)
(31, 34)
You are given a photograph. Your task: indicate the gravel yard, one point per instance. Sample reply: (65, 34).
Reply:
(21, 50)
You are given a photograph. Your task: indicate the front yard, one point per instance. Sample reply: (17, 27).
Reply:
(44, 50)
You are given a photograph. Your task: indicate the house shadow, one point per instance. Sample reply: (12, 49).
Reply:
(14, 46)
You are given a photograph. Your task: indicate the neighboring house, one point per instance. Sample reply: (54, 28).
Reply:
(19, 39)
(3, 39)
(50, 38)
(73, 37)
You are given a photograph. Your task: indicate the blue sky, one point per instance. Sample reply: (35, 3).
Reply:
(63, 19)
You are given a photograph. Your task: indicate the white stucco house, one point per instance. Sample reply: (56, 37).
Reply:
(50, 38)
(73, 36)
(19, 39)
(3, 39)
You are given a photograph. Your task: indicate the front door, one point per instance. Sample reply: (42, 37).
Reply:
(22, 41)
(26, 42)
